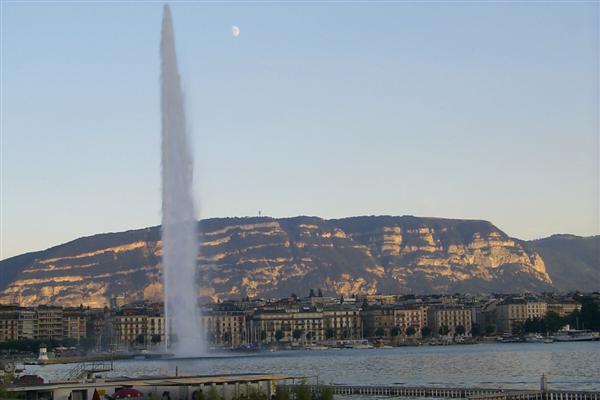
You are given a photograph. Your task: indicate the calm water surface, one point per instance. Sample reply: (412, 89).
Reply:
(516, 365)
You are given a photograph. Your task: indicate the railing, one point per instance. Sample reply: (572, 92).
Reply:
(86, 369)
(512, 395)
(474, 393)
(541, 395)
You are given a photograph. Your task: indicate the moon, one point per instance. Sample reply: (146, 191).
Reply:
(235, 31)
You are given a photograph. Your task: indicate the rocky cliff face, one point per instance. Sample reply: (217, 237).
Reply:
(269, 257)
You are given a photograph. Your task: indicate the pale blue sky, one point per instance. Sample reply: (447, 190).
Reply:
(461, 110)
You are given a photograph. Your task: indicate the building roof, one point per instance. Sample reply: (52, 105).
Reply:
(155, 381)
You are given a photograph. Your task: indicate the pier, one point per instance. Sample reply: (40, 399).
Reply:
(178, 387)
(474, 393)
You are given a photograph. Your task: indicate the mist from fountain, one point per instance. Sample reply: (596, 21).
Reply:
(179, 226)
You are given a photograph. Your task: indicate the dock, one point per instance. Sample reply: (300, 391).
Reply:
(82, 386)
(178, 387)
(95, 357)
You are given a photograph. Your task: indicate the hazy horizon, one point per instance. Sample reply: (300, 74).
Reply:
(470, 110)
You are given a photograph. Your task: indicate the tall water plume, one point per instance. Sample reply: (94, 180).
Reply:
(179, 236)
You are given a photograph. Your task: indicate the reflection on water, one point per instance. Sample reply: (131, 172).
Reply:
(518, 365)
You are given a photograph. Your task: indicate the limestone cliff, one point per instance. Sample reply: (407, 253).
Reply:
(269, 257)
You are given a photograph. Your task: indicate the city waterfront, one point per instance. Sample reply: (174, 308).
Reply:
(312, 201)
(572, 366)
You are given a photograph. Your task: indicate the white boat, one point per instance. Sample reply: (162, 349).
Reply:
(575, 335)
(316, 347)
(361, 344)
(509, 338)
(535, 338)
(354, 344)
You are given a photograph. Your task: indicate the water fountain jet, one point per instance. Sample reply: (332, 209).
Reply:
(179, 227)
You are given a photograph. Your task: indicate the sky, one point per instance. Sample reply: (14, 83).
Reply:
(482, 110)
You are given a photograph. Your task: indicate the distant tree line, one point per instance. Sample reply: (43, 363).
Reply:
(587, 318)
(477, 330)
(33, 345)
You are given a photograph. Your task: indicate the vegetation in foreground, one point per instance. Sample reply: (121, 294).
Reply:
(302, 392)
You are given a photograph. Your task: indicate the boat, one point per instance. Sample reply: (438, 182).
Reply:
(575, 335)
(381, 345)
(508, 338)
(361, 344)
(534, 338)
(316, 347)
(353, 344)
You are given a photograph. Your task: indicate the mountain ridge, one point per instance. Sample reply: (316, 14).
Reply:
(272, 257)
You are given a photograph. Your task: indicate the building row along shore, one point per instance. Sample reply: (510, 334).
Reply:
(297, 322)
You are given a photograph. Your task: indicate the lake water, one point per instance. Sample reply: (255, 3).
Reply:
(517, 365)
